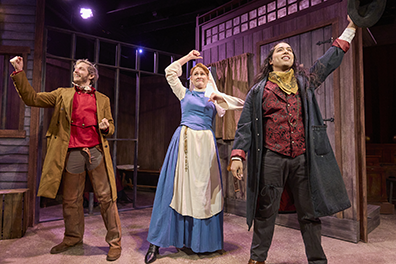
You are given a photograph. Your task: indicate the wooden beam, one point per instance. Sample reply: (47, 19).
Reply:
(14, 50)
(10, 133)
(360, 135)
(34, 116)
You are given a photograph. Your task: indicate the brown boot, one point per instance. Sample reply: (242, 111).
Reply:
(73, 210)
(113, 254)
(251, 261)
(63, 247)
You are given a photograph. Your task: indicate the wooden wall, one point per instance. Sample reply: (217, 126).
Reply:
(346, 131)
(17, 28)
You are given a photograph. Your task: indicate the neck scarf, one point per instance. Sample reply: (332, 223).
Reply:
(83, 88)
(285, 80)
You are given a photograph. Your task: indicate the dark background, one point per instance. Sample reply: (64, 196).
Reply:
(163, 25)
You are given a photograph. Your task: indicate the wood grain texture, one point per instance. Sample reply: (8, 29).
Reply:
(14, 213)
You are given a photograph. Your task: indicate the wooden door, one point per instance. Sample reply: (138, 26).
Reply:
(308, 46)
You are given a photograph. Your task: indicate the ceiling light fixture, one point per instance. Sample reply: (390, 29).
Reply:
(86, 13)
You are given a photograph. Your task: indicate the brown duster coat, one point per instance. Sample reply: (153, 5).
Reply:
(58, 134)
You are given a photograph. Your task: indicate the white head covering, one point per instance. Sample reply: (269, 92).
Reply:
(210, 87)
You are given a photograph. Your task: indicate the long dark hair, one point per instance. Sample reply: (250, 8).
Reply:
(267, 67)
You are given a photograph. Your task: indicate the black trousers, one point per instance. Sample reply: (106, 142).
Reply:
(276, 171)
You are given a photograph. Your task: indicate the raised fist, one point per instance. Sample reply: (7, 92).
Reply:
(17, 63)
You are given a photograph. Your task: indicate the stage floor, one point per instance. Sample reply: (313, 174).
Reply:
(287, 245)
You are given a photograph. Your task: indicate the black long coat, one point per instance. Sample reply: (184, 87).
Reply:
(327, 187)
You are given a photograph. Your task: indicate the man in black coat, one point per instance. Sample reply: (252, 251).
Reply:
(282, 129)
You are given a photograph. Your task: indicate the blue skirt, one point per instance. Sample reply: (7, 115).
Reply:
(169, 228)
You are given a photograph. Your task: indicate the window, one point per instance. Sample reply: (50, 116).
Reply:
(12, 109)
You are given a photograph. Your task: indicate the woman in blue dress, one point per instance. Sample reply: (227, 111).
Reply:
(188, 205)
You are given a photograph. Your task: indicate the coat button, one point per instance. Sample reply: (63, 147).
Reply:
(258, 150)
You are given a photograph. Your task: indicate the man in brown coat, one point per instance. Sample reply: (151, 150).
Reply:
(76, 145)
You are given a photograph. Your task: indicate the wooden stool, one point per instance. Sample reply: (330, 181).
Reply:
(390, 181)
(14, 217)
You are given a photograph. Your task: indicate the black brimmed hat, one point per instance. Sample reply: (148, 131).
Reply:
(365, 13)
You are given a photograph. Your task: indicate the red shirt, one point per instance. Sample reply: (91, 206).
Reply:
(283, 121)
(84, 123)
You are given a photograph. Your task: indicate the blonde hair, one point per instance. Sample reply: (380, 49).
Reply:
(91, 69)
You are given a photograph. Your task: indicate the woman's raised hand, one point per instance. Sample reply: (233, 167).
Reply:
(194, 55)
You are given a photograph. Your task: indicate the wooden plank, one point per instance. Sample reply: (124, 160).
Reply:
(359, 188)
(12, 185)
(25, 212)
(35, 114)
(14, 158)
(206, 57)
(17, 10)
(14, 142)
(8, 133)
(230, 49)
(1, 216)
(214, 54)
(235, 206)
(8, 191)
(17, 42)
(16, 226)
(238, 46)
(26, 121)
(18, 19)
(222, 52)
(305, 57)
(13, 167)
(14, 50)
(14, 149)
(257, 38)
(248, 44)
(7, 215)
(27, 3)
(13, 177)
(373, 217)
